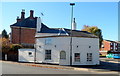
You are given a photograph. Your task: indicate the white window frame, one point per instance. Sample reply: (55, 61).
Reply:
(89, 57)
(47, 55)
(76, 59)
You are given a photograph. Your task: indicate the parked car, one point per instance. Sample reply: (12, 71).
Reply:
(116, 56)
(109, 55)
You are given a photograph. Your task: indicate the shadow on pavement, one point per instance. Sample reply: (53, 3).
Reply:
(105, 66)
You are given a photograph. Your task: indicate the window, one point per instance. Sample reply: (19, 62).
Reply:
(48, 41)
(118, 45)
(30, 54)
(47, 54)
(89, 56)
(102, 45)
(111, 47)
(77, 57)
(62, 55)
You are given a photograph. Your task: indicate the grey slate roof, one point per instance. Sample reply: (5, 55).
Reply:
(80, 33)
(29, 23)
(77, 33)
(110, 40)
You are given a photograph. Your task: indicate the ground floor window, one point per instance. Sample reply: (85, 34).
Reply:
(47, 54)
(89, 56)
(62, 55)
(77, 57)
(30, 54)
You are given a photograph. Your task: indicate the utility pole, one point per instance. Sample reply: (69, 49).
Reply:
(71, 4)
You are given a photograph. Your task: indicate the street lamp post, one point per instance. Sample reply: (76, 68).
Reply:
(71, 4)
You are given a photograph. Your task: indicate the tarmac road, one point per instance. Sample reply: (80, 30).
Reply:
(13, 68)
(8, 68)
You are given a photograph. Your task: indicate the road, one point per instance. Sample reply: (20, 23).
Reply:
(8, 68)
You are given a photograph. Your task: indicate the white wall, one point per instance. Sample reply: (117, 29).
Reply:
(83, 48)
(24, 55)
(60, 43)
(63, 43)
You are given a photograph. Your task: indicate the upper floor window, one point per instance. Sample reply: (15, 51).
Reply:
(111, 44)
(48, 41)
(102, 45)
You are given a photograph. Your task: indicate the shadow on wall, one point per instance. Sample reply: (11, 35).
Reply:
(24, 59)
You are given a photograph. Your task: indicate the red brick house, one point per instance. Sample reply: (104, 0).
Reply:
(108, 45)
(23, 31)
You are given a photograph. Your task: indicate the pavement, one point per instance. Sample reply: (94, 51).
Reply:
(99, 69)
(110, 60)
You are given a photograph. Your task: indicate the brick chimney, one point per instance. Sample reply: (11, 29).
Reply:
(23, 14)
(31, 14)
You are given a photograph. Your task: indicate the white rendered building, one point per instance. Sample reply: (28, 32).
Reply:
(60, 46)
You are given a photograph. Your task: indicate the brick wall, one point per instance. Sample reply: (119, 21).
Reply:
(15, 35)
(28, 35)
(23, 35)
(106, 45)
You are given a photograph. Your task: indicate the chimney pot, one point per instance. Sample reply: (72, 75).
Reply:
(23, 14)
(18, 19)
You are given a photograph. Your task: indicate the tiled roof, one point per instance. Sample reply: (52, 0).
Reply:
(110, 40)
(45, 29)
(80, 33)
(29, 23)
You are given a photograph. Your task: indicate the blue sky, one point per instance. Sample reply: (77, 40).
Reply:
(104, 15)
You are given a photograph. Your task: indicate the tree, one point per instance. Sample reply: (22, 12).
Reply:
(4, 34)
(94, 30)
(15, 47)
(8, 47)
(5, 45)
